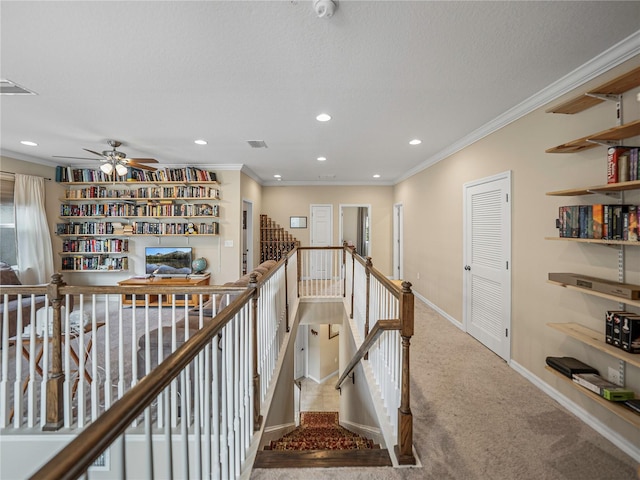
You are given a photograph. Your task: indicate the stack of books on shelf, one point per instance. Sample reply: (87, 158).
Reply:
(622, 164)
(622, 330)
(601, 222)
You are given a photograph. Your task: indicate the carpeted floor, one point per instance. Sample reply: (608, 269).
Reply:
(464, 431)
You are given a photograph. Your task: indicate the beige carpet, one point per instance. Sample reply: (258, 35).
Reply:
(464, 430)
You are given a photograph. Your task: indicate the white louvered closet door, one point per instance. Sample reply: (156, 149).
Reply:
(487, 262)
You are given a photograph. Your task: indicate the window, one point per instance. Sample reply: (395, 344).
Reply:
(7, 221)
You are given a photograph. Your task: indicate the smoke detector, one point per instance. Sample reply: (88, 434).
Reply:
(324, 8)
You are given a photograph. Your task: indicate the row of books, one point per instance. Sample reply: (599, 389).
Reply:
(622, 164)
(150, 228)
(606, 222)
(138, 228)
(96, 245)
(174, 191)
(144, 210)
(622, 330)
(91, 175)
(83, 263)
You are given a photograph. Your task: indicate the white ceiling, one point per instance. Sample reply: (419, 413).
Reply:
(158, 75)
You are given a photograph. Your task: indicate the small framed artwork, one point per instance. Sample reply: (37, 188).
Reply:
(298, 222)
(334, 330)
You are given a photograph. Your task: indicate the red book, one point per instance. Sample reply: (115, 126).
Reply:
(613, 156)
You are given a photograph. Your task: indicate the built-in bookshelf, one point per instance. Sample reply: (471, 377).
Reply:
(614, 224)
(99, 214)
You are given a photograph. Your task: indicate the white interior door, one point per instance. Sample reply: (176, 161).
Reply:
(487, 262)
(398, 253)
(321, 236)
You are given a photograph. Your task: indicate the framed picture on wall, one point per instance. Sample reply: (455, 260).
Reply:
(298, 222)
(334, 330)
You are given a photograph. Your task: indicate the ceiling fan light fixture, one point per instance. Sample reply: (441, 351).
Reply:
(121, 169)
(107, 168)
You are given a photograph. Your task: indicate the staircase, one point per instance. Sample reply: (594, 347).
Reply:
(275, 241)
(320, 441)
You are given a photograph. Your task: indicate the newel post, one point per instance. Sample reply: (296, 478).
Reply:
(257, 418)
(404, 449)
(55, 379)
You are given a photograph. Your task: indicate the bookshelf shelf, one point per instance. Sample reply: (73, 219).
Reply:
(595, 340)
(614, 407)
(613, 134)
(617, 86)
(611, 187)
(635, 303)
(595, 240)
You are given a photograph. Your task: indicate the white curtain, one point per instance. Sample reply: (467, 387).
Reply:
(35, 255)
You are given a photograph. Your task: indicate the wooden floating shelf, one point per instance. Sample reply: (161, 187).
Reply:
(596, 340)
(92, 271)
(94, 254)
(617, 86)
(610, 187)
(614, 407)
(595, 240)
(620, 132)
(635, 303)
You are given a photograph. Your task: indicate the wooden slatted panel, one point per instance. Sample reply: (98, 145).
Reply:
(486, 251)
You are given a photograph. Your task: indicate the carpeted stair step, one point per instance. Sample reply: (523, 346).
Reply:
(322, 458)
(319, 442)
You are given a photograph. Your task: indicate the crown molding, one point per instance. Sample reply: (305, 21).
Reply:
(610, 58)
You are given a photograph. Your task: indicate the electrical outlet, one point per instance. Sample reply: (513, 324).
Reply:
(418, 275)
(614, 376)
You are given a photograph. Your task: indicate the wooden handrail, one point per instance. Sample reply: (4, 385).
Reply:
(74, 459)
(378, 329)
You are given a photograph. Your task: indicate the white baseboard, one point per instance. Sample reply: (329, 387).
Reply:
(439, 310)
(619, 441)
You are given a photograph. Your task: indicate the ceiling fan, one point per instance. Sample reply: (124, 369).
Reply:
(115, 160)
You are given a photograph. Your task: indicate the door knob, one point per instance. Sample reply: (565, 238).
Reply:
(467, 267)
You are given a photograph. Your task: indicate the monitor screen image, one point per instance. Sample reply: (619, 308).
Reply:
(168, 261)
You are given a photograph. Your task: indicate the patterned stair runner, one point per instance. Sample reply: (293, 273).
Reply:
(321, 431)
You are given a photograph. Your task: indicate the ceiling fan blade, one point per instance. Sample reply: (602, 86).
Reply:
(75, 158)
(143, 160)
(91, 151)
(141, 166)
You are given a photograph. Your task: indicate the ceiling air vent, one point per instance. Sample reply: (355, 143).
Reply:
(7, 87)
(257, 143)
(327, 177)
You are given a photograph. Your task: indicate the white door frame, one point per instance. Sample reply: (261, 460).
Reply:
(398, 243)
(340, 227)
(248, 248)
(504, 185)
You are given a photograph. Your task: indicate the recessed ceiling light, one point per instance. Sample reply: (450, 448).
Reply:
(322, 159)
(200, 142)
(29, 143)
(323, 117)
(277, 176)
(415, 141)
(377, 175)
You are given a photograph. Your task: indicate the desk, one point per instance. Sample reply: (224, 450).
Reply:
(193, 300)
(39, 340)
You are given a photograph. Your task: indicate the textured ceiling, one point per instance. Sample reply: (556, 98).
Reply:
(158, 75)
